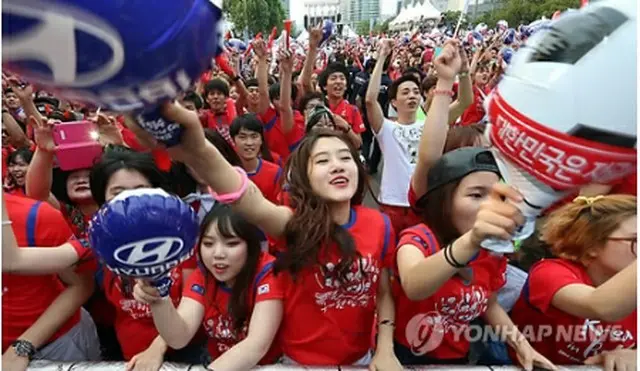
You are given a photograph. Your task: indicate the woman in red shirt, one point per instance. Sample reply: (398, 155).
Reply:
(18, 163)
(233, 295)
(463, 205)
(117, 171)
(585, 299)
(335, 250)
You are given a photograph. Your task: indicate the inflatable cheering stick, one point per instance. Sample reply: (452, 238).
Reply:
(144, 234)
(551, 131)
(113, 54)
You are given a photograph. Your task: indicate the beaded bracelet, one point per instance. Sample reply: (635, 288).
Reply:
(229, 198)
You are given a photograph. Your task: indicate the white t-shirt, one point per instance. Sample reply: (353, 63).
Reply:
(399, 145)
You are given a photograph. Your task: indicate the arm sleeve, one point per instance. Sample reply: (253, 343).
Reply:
(545, 279)
(421, 237)
(195, 287)
(357, 125)
(267, 285)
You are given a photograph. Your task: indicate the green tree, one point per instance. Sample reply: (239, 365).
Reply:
(362, 28)
(450, 16)
(523, 12)
(276, 14)
(383, 27)
(255, 15)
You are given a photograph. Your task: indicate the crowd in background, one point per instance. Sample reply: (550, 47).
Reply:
(301, 271)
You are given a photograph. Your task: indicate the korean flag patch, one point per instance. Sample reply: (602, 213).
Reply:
(263, 289)
(198, 289)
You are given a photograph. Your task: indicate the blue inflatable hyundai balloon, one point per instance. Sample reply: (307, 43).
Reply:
(121, 55)
(144, 233)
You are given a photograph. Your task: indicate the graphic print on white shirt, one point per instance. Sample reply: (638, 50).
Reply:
(408, 137)
(399, 145)
(356, 292)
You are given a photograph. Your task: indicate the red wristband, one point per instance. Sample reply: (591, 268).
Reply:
(448, 93)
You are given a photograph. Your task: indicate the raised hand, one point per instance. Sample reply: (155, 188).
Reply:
(260, 48)
(386, 48)
(43, 134)
(285, 59)
(315, 36)
(108, 131)
(448, 63)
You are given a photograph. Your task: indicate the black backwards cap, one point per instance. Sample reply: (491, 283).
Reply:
(459, 163)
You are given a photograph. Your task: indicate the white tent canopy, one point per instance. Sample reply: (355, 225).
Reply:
(404, 15)
(348, 31)
(425, 11)
(415, 12)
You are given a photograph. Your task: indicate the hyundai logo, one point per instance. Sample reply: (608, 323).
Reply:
(52, 41)
(149, 252)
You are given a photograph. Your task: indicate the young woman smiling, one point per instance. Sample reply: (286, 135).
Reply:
(118, 170)
(327, 245)
(589, 290)
(233, 294)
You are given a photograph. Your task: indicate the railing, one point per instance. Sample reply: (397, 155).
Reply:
(111, 366)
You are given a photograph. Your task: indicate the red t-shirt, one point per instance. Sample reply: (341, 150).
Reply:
(217, 321)
(570, 339)
(134, 323)
(453, 306)
(413, 198)
(351, 114)
(325, 323)
(222, 121)
(87, 261)
(267, 179)
(475, 112)
(16, 191)
(25, 298)
(6, 151)
(276, 159)
(278, 141)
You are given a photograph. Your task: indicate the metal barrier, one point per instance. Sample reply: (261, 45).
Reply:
(111, 366)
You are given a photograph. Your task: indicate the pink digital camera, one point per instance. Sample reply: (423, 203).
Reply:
(77, 145)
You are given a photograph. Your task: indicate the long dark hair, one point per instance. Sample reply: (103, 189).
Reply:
(311, 226)
(436, 207)
(230, 224)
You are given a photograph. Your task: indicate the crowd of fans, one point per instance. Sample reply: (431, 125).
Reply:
(296, 269)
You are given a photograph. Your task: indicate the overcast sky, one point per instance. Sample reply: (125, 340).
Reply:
(297, 9)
